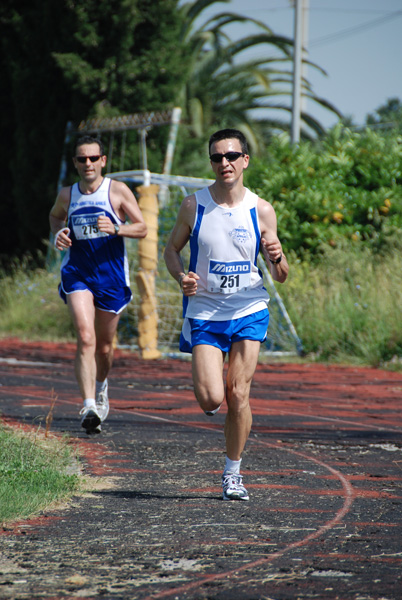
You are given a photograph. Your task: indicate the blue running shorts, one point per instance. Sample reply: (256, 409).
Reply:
(222, 334)
(108, 299)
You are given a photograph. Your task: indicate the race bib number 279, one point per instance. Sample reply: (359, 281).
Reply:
(228, 277)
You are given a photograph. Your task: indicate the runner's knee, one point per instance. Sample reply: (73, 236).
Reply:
(208, 403)
(86, 339)
(238, 402)
(104, 348)
(211, 413)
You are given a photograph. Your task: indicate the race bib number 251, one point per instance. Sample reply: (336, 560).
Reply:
(228, 277)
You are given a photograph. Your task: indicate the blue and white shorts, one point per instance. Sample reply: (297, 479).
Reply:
(108, 299)
(222, 334)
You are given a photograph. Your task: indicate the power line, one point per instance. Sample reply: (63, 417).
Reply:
(269, 8)
(357, 29)
(272, 9)
(339, 9)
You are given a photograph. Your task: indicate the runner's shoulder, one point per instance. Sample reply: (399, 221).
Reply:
(64, 195)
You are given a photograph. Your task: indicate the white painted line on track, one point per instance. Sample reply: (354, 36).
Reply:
(26, 363)
(331, 419)
(348, 495)
(145, 414)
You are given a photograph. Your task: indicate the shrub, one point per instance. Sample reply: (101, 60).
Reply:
(350, 186)
(346, 307)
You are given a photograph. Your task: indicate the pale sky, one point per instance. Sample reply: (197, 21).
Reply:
(357, 42)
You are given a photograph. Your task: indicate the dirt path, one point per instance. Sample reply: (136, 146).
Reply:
(323, 467)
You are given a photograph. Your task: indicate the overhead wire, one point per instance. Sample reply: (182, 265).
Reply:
(357, 29)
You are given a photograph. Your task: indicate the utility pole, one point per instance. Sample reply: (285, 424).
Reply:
(297, 63)
(305, 33)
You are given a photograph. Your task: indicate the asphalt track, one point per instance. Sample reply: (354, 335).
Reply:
(323, 467)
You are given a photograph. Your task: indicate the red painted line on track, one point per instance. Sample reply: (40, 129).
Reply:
(348, 494)
(331, 419)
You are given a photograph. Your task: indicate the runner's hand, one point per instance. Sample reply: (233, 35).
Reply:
(105, 225)
(272, 249)
(188, 284)
(62, 241)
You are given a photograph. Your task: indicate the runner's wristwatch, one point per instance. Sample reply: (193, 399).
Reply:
(116, 228)
(277, 261)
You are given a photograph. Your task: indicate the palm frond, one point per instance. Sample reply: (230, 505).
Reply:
(227, 88)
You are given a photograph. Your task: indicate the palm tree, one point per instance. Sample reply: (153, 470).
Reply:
(223, 89)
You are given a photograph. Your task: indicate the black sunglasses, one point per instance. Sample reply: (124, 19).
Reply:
(83, 159)
(230, 156)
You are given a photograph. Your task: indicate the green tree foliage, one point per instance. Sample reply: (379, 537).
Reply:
(74, 59)
(388, 116)
(124, 54)
(349, 186)
(32, 120)
(65, 61)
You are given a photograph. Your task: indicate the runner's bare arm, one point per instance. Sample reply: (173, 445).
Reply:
(57, 219)
(177, 240)
(125, 205)
(271, 247)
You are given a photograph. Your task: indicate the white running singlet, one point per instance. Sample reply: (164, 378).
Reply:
(224, 246)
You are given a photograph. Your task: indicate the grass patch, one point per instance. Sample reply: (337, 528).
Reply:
(30, 306)
(346, 307)
(34, 473)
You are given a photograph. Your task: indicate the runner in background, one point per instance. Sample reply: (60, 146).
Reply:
(88, 221)
(225, 302)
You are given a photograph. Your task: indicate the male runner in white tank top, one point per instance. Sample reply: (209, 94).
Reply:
(225, 303)
(88, 220)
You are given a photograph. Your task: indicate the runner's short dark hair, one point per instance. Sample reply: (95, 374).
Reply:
(89, 139)
(227, 134)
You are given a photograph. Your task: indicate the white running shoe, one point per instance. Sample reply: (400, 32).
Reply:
(233, 489)
(102, 403)
(90, 419)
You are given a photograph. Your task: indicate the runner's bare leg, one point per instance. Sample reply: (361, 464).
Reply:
(243, 358)
(82, 310)
(105, 327)
(207, 366)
